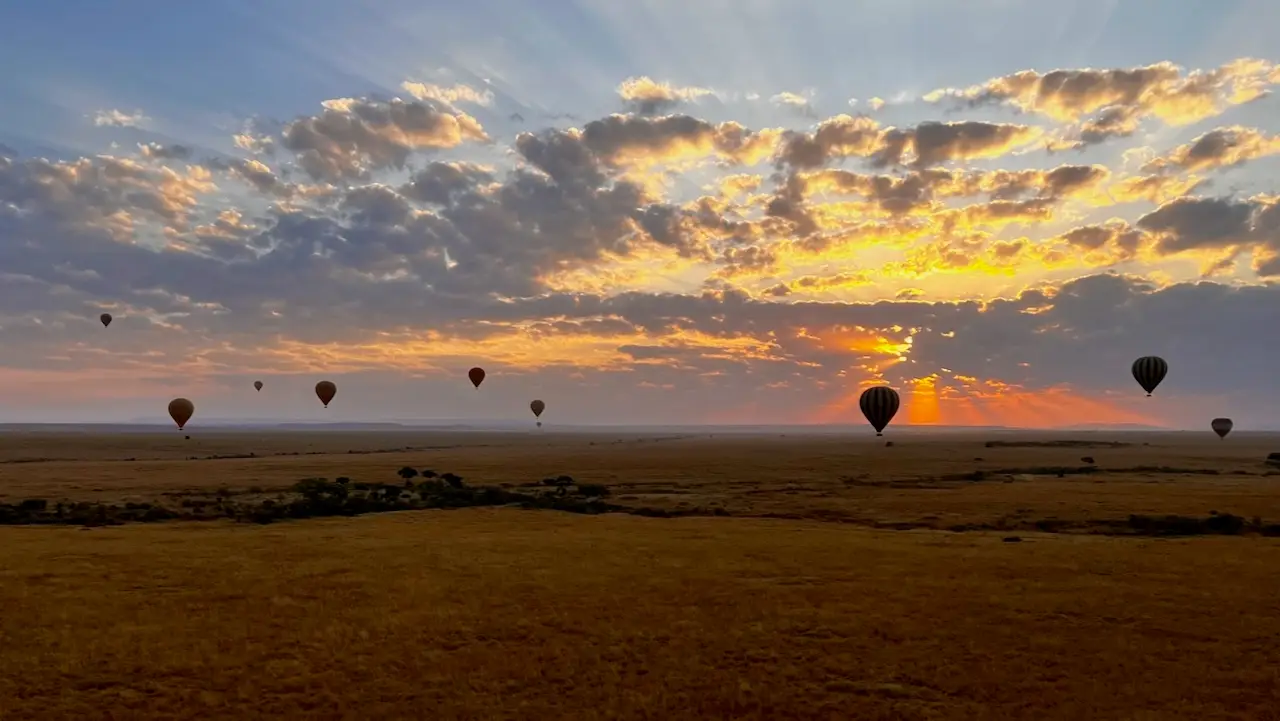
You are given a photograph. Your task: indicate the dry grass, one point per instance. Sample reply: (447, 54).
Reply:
(490, 614)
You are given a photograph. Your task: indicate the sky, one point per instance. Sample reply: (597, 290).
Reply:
(653, 211)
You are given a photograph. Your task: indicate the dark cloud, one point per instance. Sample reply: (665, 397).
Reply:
(353, 137)
(927, 144)
(1110, 103)
(1218, 148)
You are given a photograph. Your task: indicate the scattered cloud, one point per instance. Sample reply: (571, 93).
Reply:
(647, 96)
(956, 258)
(119, 119)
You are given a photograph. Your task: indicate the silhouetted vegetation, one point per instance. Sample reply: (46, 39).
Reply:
(1057, 444)
(319, 497)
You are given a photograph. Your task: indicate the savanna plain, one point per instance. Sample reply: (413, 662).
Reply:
(556, 575)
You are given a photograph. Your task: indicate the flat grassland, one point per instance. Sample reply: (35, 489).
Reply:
(833, 585)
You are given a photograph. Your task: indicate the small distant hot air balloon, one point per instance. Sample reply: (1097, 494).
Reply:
(477, 376)
(106, 319)
(879, 405)
(538, 407)
(325, 391)
(1221, 426)
(1149, 371)
(257, 385)
(180, 410)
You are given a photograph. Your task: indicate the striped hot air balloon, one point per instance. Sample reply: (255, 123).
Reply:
(1149, 371)
(879, 404)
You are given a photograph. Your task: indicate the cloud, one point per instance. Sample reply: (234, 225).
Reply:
(120, 119)
(448, 94)
(1111, 103)
(801, 104)
(353, 137)
(730, 271)
(1218, 148)
(647, 96)
(928, 143)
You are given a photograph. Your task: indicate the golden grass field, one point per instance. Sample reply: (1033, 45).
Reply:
(793, 606)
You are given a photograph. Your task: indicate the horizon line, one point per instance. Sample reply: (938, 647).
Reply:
(508, 425)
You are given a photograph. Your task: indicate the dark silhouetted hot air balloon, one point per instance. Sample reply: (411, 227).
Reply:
(477, 376)
(879, 405)
(538, 407)
(257, 385)
(1149, 371)
(1222, 426)
(325, 391)
(106, 319)
(180, 410)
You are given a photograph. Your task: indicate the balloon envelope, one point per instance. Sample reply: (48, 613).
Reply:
(537, 407)
(476, 375)
(325, 391)
(257, 385)
(879, 404)
(1149, 371)
(1221, 426)
(180, 410)
(106, 319)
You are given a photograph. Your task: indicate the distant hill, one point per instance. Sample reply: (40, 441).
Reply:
(1112, 427)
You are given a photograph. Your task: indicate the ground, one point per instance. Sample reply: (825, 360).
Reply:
(807, 600)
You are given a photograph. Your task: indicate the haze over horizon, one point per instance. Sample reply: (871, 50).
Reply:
(647, 213)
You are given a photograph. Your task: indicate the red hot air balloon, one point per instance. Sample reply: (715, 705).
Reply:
(106, 319)
(477, 376)
(257, 385)
(325, 391)
(879, 404)
(538, 407)
(181, 410)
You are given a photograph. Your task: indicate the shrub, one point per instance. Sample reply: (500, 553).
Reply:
(452, 480)
(407, 473)
(428, 473)
(321, 490)
(592, 489)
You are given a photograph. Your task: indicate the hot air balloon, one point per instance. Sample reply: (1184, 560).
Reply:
(537, 407)
(257, 385)
(477, 376)
(106, 319)
(180, 410)
(325, 391)
(1149, 371)
(1221, 426)
(879, 405)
